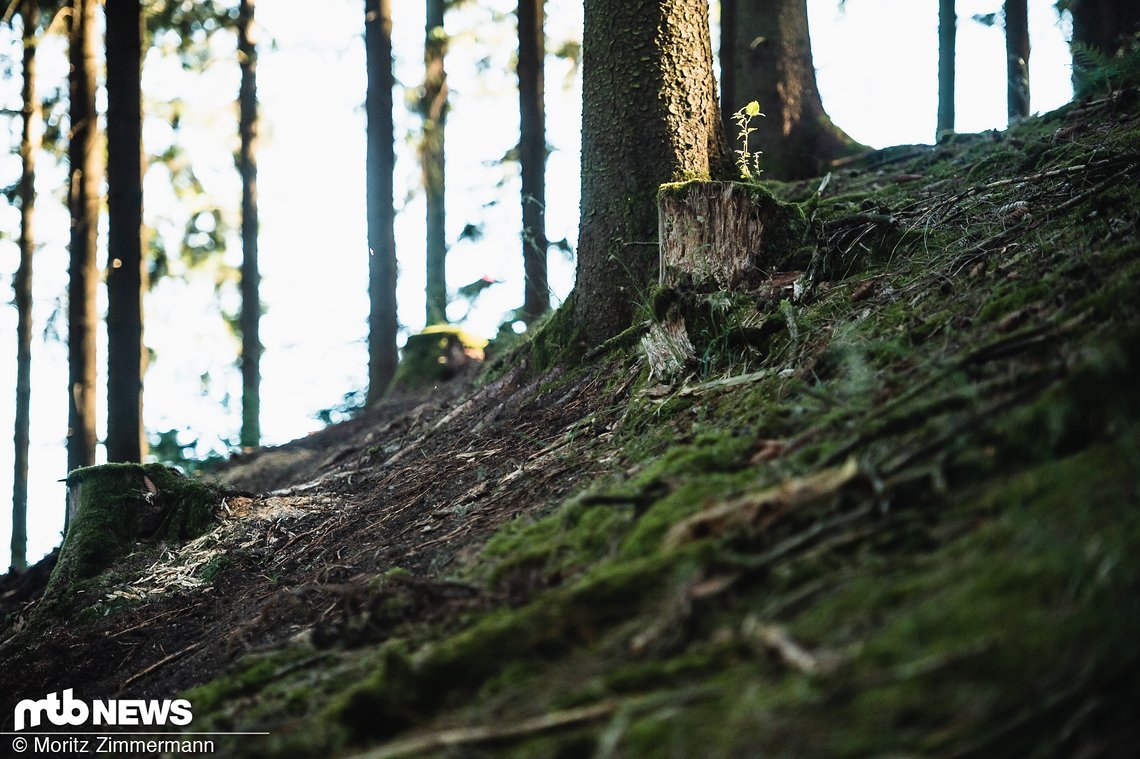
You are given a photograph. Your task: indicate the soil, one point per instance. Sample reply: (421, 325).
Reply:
(410, 483)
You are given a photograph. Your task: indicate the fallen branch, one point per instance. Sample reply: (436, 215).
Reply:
(160, 663)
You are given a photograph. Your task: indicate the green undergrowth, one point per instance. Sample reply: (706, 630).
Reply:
(892, 511)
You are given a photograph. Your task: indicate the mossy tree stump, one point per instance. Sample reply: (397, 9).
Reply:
(714, 237)
(436, 355)
(723, 235)
(112, 508)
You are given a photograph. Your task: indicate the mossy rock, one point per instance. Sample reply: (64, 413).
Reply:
(436, 355)
(114, 506)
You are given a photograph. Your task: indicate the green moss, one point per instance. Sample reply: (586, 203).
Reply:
(435, 355)
(122, 504)
(556, 340)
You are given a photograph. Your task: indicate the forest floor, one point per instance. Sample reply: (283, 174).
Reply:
(891, 506)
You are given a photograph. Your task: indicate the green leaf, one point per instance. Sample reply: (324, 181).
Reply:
(752, 109)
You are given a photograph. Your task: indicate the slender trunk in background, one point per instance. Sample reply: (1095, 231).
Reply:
(380, 165)
(250, 318)
(728, 64)
(1017, 58)
(947, 30)
(126, 270)
(29, 147)
(434, 111)
(83, 203)
(769, 50)
(649, 116)
(532, 157)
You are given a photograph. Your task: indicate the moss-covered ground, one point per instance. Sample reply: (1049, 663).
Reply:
(891, 508)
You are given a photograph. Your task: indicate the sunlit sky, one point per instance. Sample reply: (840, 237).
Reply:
(876, 62)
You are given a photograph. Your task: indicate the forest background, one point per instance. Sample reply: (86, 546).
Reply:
(876, 62)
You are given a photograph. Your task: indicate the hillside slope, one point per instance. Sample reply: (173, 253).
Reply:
(891, 507)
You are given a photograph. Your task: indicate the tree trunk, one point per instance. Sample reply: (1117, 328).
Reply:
(947, 31)
(649, 116)
(1017, 58)
(381, 163)
(1104, 24)
(250, 275)
(766, 57)
(83, 196)
(532, 156)
(434, 111)
(29, 147)
(126, 271)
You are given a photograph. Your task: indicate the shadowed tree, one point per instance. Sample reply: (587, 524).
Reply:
(29, 147)
(947, 31)
(1104, 24)
(380, 165)
(1016, 14)
(126, 270)
(433, 109)
(83, 203)
(250, 318)
(649, 116)
(532, 156)
(765, 55)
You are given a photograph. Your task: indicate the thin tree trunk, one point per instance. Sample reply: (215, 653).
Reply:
(947, 31)
(250, 275)
(1017, 58)
(532, 156)
(29, 147)
(769, 51)
(380, 165)
(83, 197)
(728, 62)
(650, 115)
(434, 111)
(126, 271)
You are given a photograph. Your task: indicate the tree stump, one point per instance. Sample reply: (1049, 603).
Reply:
(723, 235)
(113, 507)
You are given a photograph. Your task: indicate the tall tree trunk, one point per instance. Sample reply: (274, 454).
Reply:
(766, 56)
(532, 156)
(649, 116)
(380, 165)
(250, 275)
(947, 31)
(126, 270)
(83, 202)
(29, 147)
(1016, 14)
(434, 111)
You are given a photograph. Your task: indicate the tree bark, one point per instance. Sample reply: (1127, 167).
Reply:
(434, 111)
(250, 318)
(83, 197)
(1104, 24)
(1016, 14)
(947, 32)
(380, 165)
(766, 57)
(29, 147)
(532, 156)
(126, 270)
(650, 116)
